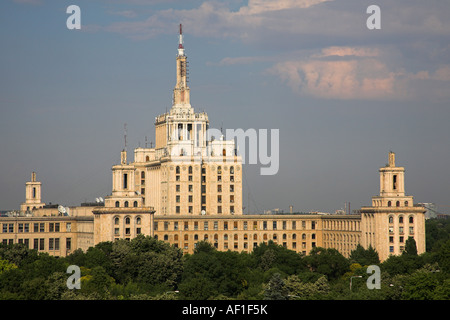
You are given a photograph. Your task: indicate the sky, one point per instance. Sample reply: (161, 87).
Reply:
(341, 95)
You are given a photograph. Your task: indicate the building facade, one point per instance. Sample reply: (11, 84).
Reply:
(188, 188)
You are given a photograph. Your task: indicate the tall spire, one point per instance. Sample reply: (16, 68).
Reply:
(181, 90)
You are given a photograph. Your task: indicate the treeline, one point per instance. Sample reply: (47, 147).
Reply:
(145, 268)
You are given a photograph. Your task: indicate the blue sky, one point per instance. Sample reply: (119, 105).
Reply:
(341, 95)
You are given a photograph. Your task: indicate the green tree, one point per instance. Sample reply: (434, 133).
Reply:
(364, 257)
(328, 262)
(410, 247)
(5, 265)
(276, 289)
(197, 288)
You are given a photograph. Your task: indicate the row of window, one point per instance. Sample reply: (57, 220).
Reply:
(401, 230)
(397, 204)
(219, 170)
(41, 243)
(126, 204)
(36, 227)
(246, 225)
(400, 219)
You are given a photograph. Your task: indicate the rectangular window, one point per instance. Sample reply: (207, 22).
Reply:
(274, 225)
(191, 188)
(186, 225)
(177, 188)
(68, 227)
(294, 225)
(41, 227)
(190, 199)
(264, 225)
(35, 244)
(68, 244)
(36, 227)
(175, 225)
(41, 244)
(50, 244)
(11, 227)
(205, 225)
(20, 227)
(177, 209)
(231, 209)
(196, 225)
(216, 225)
(27, 227)
(219, 209)
(190, 209)
(178, 199)
(51, 227)
(125, 180)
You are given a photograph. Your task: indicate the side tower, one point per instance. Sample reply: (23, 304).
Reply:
(393, 217)
(33, 198)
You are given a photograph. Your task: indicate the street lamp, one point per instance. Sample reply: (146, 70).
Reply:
(351, 278)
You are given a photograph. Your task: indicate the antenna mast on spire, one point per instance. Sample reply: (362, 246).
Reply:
(180, 43)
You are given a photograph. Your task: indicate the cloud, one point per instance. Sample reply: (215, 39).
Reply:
(358, 73)
(263, 6)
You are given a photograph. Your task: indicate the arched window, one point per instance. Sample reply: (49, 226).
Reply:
(126, 204)
(406, 203)
(190, 169)
(231, 170)
(411, 219)
(127, 220)
(389, 203)
(178, 170)
(397, 203)
(138, 220)
(147, 158)
(135, 204)
(391, 219)
(219, 170)
(117, 204)
(116, 220)
(400, 219)
(142, 174)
